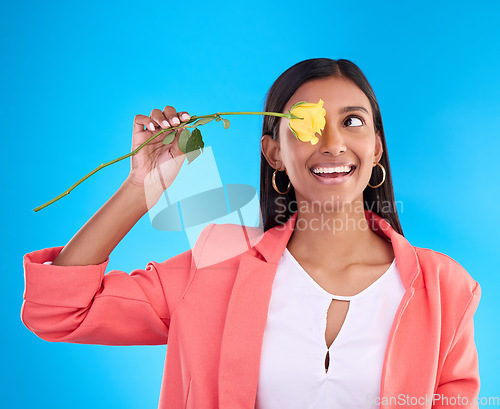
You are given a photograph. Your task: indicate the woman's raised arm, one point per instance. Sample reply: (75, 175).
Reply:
(68, 296)
(153, 169)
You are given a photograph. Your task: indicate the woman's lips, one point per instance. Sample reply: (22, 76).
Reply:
(334, 178)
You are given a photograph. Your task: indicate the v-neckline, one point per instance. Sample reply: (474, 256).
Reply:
(377, 282)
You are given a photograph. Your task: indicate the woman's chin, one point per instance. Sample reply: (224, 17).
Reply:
(330, 203)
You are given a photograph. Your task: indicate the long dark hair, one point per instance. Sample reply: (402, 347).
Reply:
(379, 200)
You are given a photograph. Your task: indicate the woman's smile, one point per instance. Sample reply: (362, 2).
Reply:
(333, 173)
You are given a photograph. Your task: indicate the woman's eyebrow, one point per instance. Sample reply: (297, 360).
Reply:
(353, 108)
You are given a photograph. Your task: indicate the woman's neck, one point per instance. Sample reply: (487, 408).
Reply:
(336, 238)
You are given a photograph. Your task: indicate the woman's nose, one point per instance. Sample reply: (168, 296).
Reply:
(332, 141)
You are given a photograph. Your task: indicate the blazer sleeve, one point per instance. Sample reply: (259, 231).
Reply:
(82, 304)
(460, 373)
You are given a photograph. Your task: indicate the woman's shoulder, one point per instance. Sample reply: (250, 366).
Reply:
(228, 233)
(220, 242)
(442, 271)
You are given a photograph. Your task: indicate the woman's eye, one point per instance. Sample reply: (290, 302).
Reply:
(354, 121)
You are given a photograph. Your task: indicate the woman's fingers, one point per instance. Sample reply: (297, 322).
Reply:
(184, 116)
(173, 117)
(170, 115)
(141, 121)
(157, 120)
(157, 162)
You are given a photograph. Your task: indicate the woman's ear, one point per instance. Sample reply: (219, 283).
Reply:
(271, 151)
(379, 149)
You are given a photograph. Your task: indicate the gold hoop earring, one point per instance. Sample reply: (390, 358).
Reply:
(383, 176)
(276, 188)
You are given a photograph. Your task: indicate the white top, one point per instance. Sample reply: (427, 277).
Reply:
(292, 368)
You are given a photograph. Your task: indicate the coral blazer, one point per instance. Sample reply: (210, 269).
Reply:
(210, 305)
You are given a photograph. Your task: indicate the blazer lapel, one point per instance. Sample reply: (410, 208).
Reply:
(246, 318)
(403, 370)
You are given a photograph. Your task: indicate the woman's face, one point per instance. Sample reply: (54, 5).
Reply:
(348, 139)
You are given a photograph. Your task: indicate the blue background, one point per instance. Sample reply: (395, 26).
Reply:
(73, 76)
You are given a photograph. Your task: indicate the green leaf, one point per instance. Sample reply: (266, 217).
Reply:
(191, 156)
(193, 145)
(194, 141)
(183, 139)
(226, 123)
(291, 129)
(203, 121)
(169, 138)
(297, 104)
(197, 134)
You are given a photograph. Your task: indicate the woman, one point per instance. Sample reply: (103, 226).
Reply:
(330, 307)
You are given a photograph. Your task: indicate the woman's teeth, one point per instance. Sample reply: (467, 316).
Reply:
(338, 169)
(332, 172)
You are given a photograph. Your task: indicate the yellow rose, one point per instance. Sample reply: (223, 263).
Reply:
(312, 122)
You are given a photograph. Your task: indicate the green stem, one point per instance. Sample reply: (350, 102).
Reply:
(283, 115)
(183, 124)
(287, 115)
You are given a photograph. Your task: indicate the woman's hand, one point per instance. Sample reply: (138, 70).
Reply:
(155, 166)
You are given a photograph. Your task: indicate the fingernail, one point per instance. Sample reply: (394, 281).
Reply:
(151, 126)
(165, 124)
(176, 121)
(185, 117)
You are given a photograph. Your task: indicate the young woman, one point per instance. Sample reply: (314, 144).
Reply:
(331, 307)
